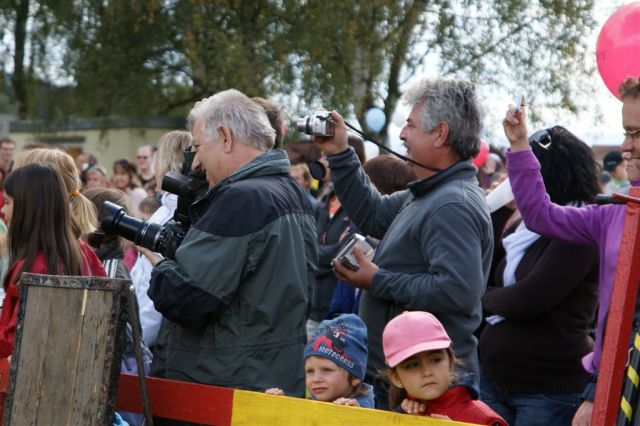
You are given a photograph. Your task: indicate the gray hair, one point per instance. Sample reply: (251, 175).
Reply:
(454, 102)
(246, 120)
(171, 147)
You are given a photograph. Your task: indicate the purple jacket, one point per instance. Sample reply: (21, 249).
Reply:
(594, 224)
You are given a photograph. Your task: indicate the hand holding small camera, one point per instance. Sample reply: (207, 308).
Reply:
(337, 143)
(361, 277)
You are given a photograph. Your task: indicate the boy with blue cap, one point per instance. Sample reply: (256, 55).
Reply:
(335, 361)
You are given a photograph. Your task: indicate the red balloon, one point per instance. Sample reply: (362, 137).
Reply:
(618, 47)
(479, 159)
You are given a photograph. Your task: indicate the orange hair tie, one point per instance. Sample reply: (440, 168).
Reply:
(75, 193)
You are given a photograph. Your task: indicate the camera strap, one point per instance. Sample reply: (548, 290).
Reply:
(402, 157)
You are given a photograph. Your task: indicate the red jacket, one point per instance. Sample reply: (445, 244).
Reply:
(91, 266)
(456, 403)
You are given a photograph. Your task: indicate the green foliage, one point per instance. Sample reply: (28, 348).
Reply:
(116, 56)
(146, 57)
(235, 43)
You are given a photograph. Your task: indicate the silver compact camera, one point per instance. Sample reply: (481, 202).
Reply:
(317, 124)
(345, 254)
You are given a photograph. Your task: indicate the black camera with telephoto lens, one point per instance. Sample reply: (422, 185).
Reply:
(189, 186)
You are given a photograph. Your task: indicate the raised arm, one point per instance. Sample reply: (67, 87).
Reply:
(370, 211)
(571, 224)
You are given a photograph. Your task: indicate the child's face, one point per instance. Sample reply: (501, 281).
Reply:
(424, 376)
(121, 180)
(325, 380)
(7, 208)
(94, 179)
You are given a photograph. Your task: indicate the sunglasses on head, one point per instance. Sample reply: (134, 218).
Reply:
(542, 138)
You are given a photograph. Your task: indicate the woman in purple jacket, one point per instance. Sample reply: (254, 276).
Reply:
(601, 225)
(541, 301)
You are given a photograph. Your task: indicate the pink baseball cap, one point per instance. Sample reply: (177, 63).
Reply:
(410, 333)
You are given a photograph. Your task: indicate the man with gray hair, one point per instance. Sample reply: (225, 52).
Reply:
(235, 299)
(437, 239)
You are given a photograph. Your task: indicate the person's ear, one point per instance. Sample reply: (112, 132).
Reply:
(355, 381)
(442, 133)
(227, 139)
(393, 376)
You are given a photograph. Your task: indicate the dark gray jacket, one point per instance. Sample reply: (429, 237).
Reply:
(235, 300)
(435, 252)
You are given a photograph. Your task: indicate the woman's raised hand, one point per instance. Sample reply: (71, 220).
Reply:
(515, 127)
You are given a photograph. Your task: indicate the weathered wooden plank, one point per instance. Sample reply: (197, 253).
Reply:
(68, 350)
(62, 344)
(89, 378)
(32, 328)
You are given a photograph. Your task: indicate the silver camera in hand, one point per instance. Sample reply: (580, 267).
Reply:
(317, 124)
(345, 254)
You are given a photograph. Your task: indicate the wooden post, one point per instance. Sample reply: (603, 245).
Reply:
(67, 350)
(619, 320)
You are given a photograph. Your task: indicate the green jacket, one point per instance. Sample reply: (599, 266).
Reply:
(235, 300)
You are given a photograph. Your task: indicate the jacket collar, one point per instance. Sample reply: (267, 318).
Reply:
(453, 396)
(271, 162)
(460, 170)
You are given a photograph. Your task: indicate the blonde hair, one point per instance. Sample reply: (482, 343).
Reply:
(83, 213)
(306, 174)
(170, 153)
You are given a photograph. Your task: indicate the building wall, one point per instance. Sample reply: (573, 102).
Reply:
(107, 146)
(4, 124)
(108, 141)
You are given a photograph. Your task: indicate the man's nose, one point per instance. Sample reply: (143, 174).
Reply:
(402, 137)
(196, 163)
(627, 144)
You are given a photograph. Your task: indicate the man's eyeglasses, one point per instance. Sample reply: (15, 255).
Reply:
(142, 157)
(633, 134)
(542, 138)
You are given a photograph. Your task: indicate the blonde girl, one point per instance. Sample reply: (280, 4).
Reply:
(83, 213)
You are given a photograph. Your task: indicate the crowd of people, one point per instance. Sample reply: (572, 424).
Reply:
(491, 317)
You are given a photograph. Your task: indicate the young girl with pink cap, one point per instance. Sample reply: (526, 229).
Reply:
(421, 364)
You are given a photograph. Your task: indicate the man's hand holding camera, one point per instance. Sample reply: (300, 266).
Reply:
(337, 143)
(332, 145)
(152, 257)
(362, 277)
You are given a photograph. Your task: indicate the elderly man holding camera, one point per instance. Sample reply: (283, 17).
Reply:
(235, 299)
(437, 238)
